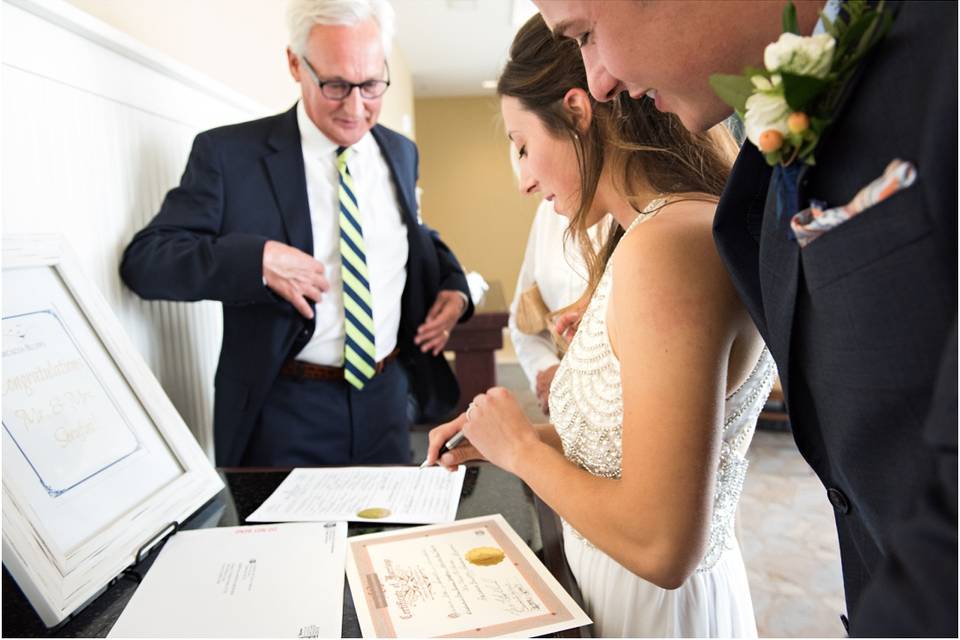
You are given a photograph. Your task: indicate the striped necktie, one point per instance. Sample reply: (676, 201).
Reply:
(359, 354)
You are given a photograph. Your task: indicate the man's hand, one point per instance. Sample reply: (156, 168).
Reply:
(567, 325)
(433, 334)
(544, 379)
(293, 275)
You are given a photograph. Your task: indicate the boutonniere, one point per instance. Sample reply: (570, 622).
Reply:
(786, 106)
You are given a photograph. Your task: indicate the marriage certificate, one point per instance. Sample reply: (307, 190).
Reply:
(470, 578)
(407, 495)
(265, 581)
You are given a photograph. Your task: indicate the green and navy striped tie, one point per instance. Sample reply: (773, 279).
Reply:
(359, 354)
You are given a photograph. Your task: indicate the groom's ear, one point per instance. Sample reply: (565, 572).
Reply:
(577, 103)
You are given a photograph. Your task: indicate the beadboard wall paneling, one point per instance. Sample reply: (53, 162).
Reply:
(96, 128)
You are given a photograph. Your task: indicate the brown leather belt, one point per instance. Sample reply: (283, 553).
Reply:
(299, 370)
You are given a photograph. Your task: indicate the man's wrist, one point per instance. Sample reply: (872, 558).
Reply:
(466, 302)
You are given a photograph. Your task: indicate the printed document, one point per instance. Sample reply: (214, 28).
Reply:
(278, 580)
(399, 495)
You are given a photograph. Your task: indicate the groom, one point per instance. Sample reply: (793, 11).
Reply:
(862, 321)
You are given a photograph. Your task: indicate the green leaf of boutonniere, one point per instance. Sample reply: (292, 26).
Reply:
(854, 34)
(798, 91)
(734, 90)
(790, 19)
(830, 26)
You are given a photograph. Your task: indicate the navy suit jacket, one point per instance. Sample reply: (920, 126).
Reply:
(245, 184)
(862, 324)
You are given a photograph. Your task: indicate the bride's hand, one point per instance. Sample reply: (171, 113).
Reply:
(498, 428)
(458, 455)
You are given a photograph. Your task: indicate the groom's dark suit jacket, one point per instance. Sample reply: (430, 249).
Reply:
(863, 324)
(245, 184)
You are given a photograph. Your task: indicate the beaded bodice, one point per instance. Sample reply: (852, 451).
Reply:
(586, 407)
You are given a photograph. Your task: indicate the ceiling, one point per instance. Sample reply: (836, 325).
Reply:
(452, 46)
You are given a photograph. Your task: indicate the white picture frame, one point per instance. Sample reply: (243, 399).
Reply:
(97, 463)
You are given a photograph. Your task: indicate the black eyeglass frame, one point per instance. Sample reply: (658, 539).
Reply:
(350, 86)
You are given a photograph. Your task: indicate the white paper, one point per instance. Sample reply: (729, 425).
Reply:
(420, 582)
(407, 495)
(280, 580)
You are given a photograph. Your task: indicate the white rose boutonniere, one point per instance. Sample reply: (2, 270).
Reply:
(766, 114)
(809, 56)
(787, 105)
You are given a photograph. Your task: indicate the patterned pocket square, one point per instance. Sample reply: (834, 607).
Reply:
(813, 222)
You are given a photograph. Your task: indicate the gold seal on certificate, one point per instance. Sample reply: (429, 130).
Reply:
(373, 513)
(485, 556)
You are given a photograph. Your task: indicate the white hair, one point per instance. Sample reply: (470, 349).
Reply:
(302, 15)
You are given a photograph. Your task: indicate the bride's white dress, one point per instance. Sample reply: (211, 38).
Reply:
(586, 407)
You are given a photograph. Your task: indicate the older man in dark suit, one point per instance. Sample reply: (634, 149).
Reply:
(862, 321)
(336, 299)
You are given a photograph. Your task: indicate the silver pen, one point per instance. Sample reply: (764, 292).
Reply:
(452, 443)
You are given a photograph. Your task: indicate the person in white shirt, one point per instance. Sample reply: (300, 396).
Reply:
(553, 272)
(337, 300)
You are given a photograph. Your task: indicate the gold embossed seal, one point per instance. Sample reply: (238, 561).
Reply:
(373, 513)
(484, 556)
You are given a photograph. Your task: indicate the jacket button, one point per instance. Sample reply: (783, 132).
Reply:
(305, 333)
(839, 501)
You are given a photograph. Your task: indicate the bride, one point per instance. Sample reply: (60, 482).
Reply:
(655, 403)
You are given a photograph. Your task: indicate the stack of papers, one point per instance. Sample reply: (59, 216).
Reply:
(473, 577)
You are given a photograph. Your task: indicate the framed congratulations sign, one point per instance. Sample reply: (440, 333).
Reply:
(96, 460)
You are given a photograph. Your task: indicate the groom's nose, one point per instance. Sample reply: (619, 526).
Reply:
(603, 86)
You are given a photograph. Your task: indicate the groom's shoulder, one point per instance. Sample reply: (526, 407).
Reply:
(926, 32)
(900, 99)
(933, 15)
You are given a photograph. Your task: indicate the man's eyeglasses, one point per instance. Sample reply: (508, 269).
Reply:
(340, 89)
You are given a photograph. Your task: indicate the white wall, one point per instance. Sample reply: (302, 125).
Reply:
(241, 43)
(96, 129)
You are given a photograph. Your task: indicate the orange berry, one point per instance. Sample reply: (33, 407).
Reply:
(798, 122)
(770, 141)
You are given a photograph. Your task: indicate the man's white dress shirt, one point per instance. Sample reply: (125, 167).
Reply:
(557, 268)
(384, 234)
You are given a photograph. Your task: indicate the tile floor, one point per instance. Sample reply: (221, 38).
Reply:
(789, 543)
(786, 533)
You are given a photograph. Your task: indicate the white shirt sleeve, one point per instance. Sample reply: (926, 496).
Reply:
(535, 352)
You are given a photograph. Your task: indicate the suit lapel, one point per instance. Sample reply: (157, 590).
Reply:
(289, 182)
(763, 262)
(408, 199)
(737, 228)
(779, 274)
(412, 307)
(891, 6)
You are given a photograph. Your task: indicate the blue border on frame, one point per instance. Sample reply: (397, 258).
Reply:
(55, 493)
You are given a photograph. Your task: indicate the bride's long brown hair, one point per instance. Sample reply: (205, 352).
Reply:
(643, 149)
